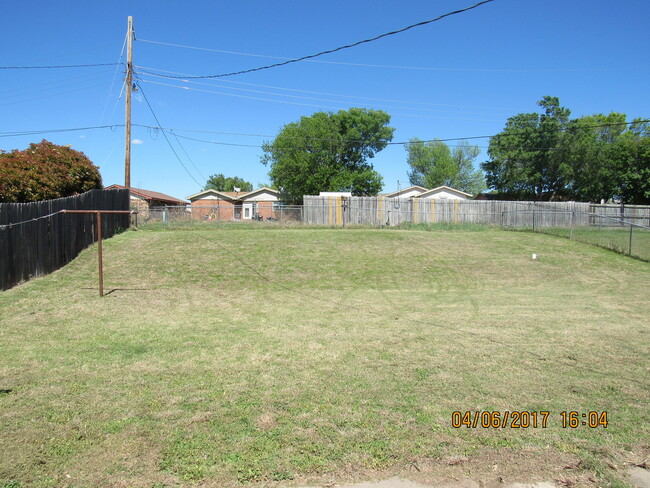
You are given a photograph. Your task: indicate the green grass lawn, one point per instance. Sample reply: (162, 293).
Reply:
(265, 355)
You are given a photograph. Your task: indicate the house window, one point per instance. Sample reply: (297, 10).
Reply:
(247, 213)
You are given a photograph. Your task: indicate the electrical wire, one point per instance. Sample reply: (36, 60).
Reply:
(342, 105)
(347, 46)
(108, 95)
(405, 143)
(51, 131)
(163, 129)
(149, 71)
(165, 135)
(301, 97)
(389, 66)
(409, 143)
(60, 67)
(44, 91)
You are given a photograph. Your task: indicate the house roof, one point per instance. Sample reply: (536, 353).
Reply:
(410, 189)
(150, 195)
(447, 189)
(232, 195)
(260, 190)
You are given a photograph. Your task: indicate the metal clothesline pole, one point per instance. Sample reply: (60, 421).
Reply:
(98, 214)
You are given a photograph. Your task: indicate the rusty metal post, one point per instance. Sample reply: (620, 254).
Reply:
(99, 254)
(99, 237)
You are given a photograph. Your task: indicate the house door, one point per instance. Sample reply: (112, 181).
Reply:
(249, 211)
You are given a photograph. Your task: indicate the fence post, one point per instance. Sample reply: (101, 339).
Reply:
(533, 219)
(99, 254)
(573, 219)
(630, 247)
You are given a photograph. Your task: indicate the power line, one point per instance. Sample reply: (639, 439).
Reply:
(404, 143)
(389, 66)
(167, 138)
(60, 66)
(163, 129)
(149, 71)
(341, 104)
(49, 131)
(303, 97)
(347, 46)
(293, 137)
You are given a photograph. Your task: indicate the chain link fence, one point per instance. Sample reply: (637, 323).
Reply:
(617, 234)
(174, 217)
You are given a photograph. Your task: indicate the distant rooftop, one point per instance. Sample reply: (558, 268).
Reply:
(151, 195)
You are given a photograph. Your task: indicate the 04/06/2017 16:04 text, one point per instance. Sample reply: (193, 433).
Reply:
(527, 419)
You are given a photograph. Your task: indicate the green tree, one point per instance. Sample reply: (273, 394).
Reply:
(594, 149)
(44, 171)
(434, 164)
(634, 164)
(528, 158)
(227, 183)
(592, 158)
(328, 152)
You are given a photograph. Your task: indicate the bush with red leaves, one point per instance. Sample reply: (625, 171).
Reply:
(44, 171)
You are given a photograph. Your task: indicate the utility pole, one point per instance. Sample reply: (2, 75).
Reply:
(129, 84)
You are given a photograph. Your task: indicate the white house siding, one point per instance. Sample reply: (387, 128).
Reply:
(409, 194)
(261, 197)
(444, 194)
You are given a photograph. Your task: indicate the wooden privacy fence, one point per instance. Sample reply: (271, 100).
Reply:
(607, 215)
(39, 237)
(382, 211)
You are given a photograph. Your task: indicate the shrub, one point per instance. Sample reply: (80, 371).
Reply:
(44, 171)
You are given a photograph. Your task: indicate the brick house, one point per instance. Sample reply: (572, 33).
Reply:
(258, 204)
(143, 200)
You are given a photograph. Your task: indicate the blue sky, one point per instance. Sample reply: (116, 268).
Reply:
(460, 77)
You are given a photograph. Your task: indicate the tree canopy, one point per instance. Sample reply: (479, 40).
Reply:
(328, 152)
(227, 183)
(44, 171)
(434, 164)
(547, 155)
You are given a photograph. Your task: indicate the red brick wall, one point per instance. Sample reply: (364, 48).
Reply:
(217, 209)
(265, 209)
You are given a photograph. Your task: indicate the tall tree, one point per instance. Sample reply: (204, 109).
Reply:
(594, 149)
(592, 158)
(527, 158)
(434, 164)
(227, 183)
(44, 171)
(634, 164)
(328, 152)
